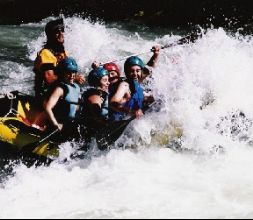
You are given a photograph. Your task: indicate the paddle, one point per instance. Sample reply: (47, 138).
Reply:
(112, 132)
(29, 148)
(188, 38)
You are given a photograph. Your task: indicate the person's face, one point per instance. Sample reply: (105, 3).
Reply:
(58, 35)
(113, 77)
(69, 77)
(135, 72)
(104, 83)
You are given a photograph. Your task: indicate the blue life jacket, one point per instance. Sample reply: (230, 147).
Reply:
(66, 108)
(135, 103)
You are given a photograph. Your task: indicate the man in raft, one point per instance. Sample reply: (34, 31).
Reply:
(130, 97)
(48, 58)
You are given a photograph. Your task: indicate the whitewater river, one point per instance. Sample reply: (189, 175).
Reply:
(206, 91)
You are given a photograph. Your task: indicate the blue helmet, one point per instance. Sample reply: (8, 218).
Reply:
(96, 75)
(133, 61)
(67, 65)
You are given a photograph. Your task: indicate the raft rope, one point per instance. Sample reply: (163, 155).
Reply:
(12, 111)
(9, 95)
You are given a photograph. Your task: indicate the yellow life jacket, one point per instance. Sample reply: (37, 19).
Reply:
(45, 60)
(46, 56)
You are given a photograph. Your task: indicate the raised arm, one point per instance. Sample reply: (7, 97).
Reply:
(153, 60)
(151, 63)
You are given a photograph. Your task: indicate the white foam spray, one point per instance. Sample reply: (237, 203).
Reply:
(211, 178)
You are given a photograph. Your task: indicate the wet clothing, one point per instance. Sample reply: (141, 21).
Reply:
(66, 108)
(114, 87)
(112, 91)
(93, 116)
(135, 103)
(47, 59)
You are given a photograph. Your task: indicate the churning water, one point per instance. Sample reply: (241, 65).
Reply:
(206, 92)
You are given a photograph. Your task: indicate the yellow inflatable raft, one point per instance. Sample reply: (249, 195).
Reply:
(16, 132)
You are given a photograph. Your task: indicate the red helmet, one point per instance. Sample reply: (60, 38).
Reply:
(112, 67)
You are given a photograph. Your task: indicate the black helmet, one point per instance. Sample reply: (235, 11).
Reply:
(54, 25)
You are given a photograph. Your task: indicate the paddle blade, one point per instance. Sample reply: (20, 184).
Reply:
(29, 148)
(111, 133)
(191, 38)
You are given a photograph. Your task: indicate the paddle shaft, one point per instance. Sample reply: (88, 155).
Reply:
(124, 124)
(182, 40)
(29, 148)
(178, 42)
(47, 137)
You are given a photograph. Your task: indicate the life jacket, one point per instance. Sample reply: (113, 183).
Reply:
(134, 103)
(103, 112)
(66, 107)
(46, 59)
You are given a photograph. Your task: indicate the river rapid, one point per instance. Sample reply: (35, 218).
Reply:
(205, 89)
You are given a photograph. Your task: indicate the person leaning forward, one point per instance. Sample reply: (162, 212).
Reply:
(48, 58)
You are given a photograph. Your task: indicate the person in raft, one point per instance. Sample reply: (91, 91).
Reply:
(63, 103)
(129, 98)
(48, 58)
